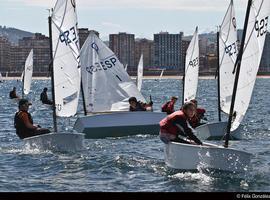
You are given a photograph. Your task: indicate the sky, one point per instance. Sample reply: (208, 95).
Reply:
(140, 17)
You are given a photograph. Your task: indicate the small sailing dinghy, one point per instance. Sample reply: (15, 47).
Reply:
(106, 88)
(227, 54)
(219, 157)
(27, 74)
(65, 78)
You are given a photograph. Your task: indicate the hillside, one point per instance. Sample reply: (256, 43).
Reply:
(13, 34)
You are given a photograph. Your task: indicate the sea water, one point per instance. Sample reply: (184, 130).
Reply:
(134, 163)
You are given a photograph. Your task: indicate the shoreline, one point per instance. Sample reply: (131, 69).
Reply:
(132, 77)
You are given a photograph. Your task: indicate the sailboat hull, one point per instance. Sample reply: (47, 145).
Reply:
(119, 124)
(66, 142)
(195, 157)
(216, 131)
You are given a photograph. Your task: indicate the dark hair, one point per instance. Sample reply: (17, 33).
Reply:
(188, 105)
(45, 89)
(24, 101)
(132, 99)
(194, 101)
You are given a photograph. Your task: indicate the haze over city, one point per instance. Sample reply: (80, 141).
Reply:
(141, 17)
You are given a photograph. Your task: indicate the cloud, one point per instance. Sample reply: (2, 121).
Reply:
(181, 5)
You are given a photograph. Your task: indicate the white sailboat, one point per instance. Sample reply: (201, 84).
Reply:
(218, 157)
(140, 73)
(65, 77)
(161, 74)
(227, 54)
(191, 71)
(126, 67)
(27, 74)
(1, 78)
(106, 89)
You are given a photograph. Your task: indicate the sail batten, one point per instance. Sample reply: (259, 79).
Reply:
(66, 57)
(191, 69)
(106, 85)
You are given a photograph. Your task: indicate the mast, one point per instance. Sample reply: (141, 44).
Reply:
(52, 75)
(237, 67)
(83, 98)
(218, 78)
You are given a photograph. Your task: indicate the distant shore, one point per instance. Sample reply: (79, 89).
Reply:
(133, 77)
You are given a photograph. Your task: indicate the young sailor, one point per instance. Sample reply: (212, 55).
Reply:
(12, 94)
(176, 124)
(44, 97)
(139, 106)
(168, 107)
(195, 121)
(23, 122)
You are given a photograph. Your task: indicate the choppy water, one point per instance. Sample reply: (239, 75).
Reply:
(130, 163)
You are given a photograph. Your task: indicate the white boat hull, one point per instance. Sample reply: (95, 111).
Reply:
(119, 124)
(216, 131)
(66, 142)
(195, 157)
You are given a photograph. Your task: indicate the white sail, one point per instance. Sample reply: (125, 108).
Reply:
(126, 67)
(191, 69)
(27, 73)
(1, 77)
(140, 73)
(161, 74)
(66, 50)
(227, 56)
(106, 85)
(253, 48)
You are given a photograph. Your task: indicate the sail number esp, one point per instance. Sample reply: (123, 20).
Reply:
(102, 65)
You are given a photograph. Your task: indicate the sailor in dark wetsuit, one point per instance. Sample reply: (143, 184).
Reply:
(44, 97)
(139, 106)
(12, 94)
(23, 122)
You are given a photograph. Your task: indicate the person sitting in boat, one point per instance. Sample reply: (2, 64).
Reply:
(44, 97)
(176, 125)
(12, 94)
(139, 106)
(23, 122)
(199, 115)
(168, 107)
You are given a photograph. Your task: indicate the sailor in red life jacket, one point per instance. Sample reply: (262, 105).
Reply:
(177, 124)
(195, 121)
(168, 107)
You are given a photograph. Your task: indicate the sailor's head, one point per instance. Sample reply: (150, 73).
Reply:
(45, 89)
(14, 88)
(132, 101)
(174, 98)
(24, 104)
(189, 109)
(194, 101)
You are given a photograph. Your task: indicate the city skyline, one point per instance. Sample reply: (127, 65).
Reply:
(142, 17)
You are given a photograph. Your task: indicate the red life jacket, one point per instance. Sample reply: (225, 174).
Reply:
(168, 107)
(167, 124)
(195, 120)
